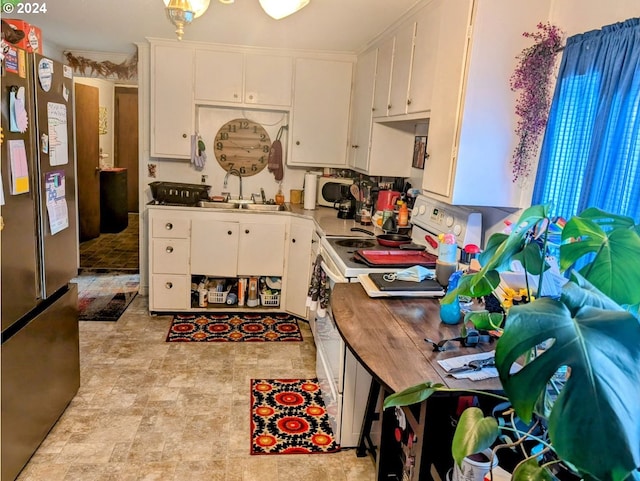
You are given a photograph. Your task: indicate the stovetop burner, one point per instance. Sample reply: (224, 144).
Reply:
(357, 243)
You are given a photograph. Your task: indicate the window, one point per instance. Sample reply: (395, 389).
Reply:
(590, 154)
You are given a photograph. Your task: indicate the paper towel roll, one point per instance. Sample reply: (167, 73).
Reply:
(310, 188)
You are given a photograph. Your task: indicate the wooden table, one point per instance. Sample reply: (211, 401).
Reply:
(387, 336)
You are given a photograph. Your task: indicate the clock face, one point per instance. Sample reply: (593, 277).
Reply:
(243, 145)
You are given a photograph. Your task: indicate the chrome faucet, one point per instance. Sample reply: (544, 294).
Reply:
(226, 179)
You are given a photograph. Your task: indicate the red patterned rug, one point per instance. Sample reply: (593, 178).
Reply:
(288, 417)
(234, 327)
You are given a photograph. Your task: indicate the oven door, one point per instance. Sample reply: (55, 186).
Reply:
(326, 362)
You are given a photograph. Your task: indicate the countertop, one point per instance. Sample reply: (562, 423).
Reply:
(387, 336)
(327, 220)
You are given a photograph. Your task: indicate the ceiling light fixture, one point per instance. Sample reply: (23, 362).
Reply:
(281, 8)
(182, 12)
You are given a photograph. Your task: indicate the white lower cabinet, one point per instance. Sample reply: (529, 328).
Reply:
(188, 244)
(298, 265)
(170, 280)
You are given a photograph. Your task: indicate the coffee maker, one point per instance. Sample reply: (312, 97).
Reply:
(346, 206)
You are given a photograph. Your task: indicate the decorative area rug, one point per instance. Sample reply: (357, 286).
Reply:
(288, 417)
(104, 296)
(234, 327)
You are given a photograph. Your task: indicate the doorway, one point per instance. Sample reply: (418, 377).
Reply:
(115, 248)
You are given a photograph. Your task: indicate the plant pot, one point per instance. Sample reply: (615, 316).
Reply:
(474, 467)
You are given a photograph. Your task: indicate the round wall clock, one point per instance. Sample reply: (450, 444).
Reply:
(243, 145)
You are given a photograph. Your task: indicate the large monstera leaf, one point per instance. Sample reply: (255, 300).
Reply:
(595, 421)
(613, 243)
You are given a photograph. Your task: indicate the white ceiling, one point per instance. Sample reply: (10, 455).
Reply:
(115, 25)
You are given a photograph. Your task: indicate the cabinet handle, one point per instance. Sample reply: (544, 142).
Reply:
(169, 249)
(293, 240)
(389, 106)
(297, 142)
(169, 285)
(246, 231)
(229, 232)
(408, 101)
(250, 97)
(168, 226)
(184, 136)
(356, 146)
(235, 96)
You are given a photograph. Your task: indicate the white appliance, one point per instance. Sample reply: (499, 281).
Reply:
(431, 218)
(344, 382)
(332, 189)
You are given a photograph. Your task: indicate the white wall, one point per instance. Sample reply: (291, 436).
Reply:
(572, 17)
(208, 121)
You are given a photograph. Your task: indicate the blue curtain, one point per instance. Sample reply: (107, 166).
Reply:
(590, 154)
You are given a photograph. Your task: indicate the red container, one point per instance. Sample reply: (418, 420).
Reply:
(32, 41)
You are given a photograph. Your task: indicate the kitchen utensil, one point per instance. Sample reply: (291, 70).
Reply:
(355, 191)
(386, 240)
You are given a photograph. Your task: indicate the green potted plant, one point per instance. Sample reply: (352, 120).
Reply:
(591, 329)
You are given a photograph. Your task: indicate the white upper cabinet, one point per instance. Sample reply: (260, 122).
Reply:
(401, 69)
(425, 48)
(471, 129)
(244, 78)
(383, 77)
(172, 108)
(320, 118)
(219, 76)
(361, 112)
(268, 79)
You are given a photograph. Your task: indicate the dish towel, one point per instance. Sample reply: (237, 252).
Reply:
(198, 155)
(318, 296)
(274, 164)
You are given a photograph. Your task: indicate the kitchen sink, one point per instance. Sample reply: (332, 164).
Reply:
(264, 207)
(218, 205)
(242, 204)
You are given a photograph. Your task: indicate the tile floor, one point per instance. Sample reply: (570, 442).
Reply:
(156, 411)
(113, 251)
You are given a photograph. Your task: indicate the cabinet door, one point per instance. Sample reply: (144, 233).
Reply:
(444, 121)
(401, 70)
(172, 107)
(425, 47)
(268, 80)
(383, 78)
(320, 123)
(362, 104)
(261, 249)
(218, 76)
(214, 248)
(298, 266)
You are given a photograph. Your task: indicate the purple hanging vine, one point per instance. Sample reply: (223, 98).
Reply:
(532, 78)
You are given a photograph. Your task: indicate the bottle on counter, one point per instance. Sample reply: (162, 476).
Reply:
(403, 214)
(279, 195)
(451, 313)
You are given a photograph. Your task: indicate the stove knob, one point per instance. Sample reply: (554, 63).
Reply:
(449, 221)
(422, 209)
(457, 229)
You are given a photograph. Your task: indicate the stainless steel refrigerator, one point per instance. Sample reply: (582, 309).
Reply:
(39, 241)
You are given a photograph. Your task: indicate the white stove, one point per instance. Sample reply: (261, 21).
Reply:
(341, 250)
(431, 218)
